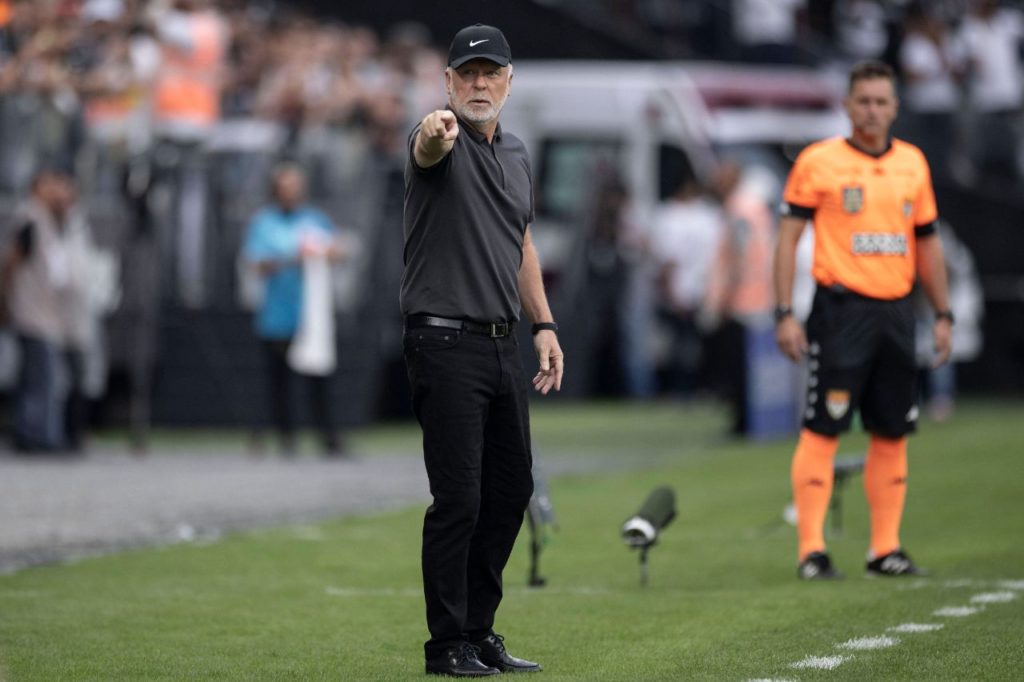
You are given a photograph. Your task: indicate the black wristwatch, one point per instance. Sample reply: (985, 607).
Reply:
(782, 312)
(541, 326)
(945, 315)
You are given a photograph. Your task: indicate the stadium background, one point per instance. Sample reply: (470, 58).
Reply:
(340, 598)
(183, 340)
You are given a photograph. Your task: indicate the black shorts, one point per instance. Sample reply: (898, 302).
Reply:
(861, 356)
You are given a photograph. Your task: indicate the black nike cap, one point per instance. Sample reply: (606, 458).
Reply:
(479, 42)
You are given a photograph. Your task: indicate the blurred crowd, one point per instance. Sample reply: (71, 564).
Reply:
(960, 60)
(137, 138)
(123, 73)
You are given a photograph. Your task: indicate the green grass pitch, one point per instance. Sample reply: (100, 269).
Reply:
(341, 600)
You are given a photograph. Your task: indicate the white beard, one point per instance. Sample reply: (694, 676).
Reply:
(480, 116)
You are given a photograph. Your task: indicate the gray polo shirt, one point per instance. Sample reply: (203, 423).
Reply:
(465, 219)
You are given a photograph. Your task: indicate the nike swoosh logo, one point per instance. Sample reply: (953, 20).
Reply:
(474, 43)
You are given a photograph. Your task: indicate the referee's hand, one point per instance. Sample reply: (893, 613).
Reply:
(790, 337)
(942, 333)
(549, 355)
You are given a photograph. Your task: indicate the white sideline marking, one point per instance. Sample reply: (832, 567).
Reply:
(821, 662)
(956, 611)
(1007, 594)
(993, 598)
(868, 643)
(771, 679)
(917, 627)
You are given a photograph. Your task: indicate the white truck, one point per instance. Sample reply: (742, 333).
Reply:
(585, 122)
(582, 119)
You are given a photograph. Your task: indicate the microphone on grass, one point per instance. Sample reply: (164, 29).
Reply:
(641, 530)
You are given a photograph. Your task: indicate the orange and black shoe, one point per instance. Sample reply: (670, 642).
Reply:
(817, 566)
(894, 564)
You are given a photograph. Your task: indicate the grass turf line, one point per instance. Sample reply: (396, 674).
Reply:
(723, 602)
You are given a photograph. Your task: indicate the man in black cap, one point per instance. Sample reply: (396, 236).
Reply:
(470, 266)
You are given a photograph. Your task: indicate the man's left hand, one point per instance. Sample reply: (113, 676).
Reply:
(549, 355)
(942, 333)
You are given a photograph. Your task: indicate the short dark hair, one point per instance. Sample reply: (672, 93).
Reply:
(48, 172)
(282, 168)
(868, 70)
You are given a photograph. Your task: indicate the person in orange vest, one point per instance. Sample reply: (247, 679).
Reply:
(193, 45)
(186, 106)
(116, 90)
(739, 294)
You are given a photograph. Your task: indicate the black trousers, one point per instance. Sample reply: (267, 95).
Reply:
(469, 394)
(76, 406)
(284, 384)
(727, 361)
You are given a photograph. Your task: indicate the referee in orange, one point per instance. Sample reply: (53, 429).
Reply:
(871, 201)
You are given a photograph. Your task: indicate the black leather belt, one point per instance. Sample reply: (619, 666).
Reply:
(495, 330)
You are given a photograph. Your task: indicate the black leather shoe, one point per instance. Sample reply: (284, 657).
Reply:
(461, 661)
(493, 653)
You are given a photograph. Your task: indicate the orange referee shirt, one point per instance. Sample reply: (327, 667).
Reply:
(867, 213)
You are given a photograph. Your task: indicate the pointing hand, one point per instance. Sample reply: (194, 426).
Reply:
(440, 125)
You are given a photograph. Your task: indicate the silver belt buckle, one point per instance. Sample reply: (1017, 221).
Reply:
(496, 326)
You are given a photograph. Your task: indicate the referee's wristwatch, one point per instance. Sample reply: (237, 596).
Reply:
(781, 312)
(946, 314)
(541, 326)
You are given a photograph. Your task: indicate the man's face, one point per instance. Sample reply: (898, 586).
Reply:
(64, 193)
(289, 188)
(56, 192)
(871, 106)
(477, 90)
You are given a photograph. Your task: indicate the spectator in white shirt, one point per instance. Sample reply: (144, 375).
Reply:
(685, 234)
(932, 63)
(768, 30)
(992, 36)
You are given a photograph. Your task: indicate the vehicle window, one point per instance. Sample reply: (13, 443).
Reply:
(568, 166)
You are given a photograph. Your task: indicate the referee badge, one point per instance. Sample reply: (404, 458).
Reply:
(853, 199)
(837, 403)
(908, 208)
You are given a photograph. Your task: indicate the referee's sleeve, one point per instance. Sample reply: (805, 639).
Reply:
(926, 230)
(800, 197)
(788, 209)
